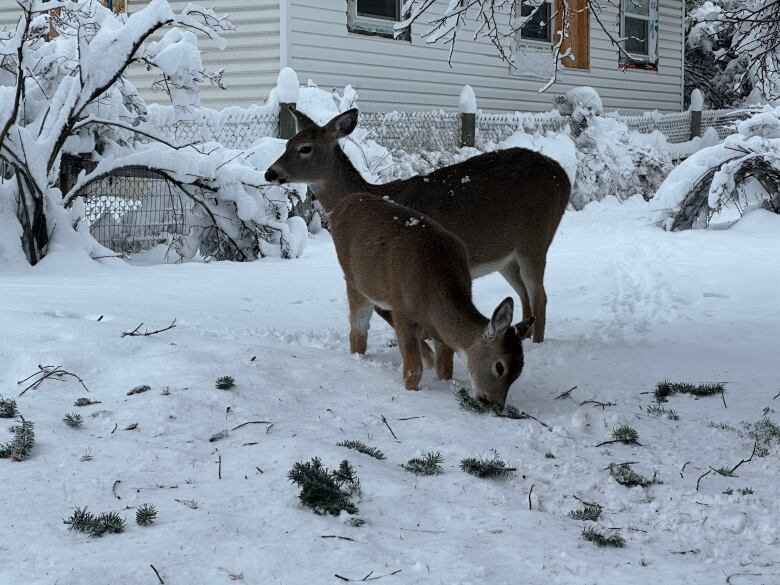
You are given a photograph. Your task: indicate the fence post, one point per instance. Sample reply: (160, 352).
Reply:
(287, 90)
(287, 128)
(467, 105)
(697, 105)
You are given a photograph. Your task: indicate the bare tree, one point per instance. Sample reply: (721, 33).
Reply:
(500, 23)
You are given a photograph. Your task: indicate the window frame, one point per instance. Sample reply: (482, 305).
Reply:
(630, 60)
(534, 42)
(374, 25)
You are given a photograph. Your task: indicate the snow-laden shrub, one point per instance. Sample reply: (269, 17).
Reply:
(613, 160)
(743, 171)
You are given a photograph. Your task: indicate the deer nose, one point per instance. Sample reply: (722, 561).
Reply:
(271, 175)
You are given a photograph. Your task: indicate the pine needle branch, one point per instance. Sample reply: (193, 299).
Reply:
(361, 447)
(600, 539)
(430, 464)
(493, 467)
(137, 331)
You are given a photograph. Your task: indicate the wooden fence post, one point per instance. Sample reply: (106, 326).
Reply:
(287, 128)
(697, 105)
(467, 105)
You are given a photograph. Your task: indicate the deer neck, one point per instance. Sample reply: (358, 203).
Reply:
(460, 327)
(342, 179)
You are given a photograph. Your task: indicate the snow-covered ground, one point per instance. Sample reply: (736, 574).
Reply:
(629, 305)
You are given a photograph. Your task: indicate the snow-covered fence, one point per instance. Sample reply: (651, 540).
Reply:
(132, 210)
(235, 128)
(413, 131)
(498, 127)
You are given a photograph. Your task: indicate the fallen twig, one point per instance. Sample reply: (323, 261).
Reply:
(158, 575)
(776, 396)
(566, 394)
(137, 333)
(219, 470)
(49, 373)
(367, 577)
(384, 420)
(252, 422)
(597, 403)
(529, 496)
(337, 536)
(409, 418)
(683, 469)
(113, 489)
(425, 531)
(727, 472)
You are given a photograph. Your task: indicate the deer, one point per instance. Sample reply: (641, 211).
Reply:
(395, 258)
(505, 205)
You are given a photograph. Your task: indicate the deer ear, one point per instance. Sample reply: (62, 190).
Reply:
(343, 124)
(302, 120)
(501, 319)
(524, 328)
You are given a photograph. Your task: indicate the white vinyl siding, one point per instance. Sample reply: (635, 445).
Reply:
(393, 75)
(251, 59)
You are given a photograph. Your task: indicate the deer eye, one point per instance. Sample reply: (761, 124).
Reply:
(306, 149)
(499, 368)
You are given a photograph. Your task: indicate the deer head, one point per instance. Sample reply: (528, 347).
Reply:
(495, 359)
(311, 155)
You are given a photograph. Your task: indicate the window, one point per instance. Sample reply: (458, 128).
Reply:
(374, 17)
(639, 28)
(538, 25)
(540, 31)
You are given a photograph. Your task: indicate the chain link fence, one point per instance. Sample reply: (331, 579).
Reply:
(236, 134)
(134, 210)
(413, 131)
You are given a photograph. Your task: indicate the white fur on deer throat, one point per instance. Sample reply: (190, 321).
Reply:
(486, 268)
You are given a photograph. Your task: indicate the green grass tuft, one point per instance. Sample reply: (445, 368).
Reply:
(657, 410)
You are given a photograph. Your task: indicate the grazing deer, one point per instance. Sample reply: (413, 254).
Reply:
(397, 259)
(505, 206)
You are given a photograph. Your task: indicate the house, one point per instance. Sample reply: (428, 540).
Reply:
(339, 42)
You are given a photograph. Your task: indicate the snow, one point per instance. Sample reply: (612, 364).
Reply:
(629, 305)
(587, 98)
(467, 101)
(287, 86)
(697, 100)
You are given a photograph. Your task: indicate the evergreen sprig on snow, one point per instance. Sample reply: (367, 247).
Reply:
(493, 467)
(589, 512)
(601, 539)
(323, 490)
(82, 520)
(361, 447)
(664, 389)
(20, 447)
(73, 419)
(8, 408)
(430, 464)
(625, 476)
(85, 402)
(657, 410)
(224, 383)
(468, 402)
(145, 515)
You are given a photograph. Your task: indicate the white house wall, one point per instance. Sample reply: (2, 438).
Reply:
(391, 74)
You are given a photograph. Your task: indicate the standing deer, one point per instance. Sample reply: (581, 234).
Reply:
(505, 206)
(397, 259)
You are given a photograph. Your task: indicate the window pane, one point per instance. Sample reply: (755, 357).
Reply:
(637, 7)
(538, 27)
(378, 8)
(638, 31)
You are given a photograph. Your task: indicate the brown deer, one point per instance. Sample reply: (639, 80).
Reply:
(397, 259)
(505, 206)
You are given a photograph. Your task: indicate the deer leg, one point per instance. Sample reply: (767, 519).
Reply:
(360, 309)
(409, 344)
(444, 357)
(425, 349)
(532, 273)
(511, 272)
